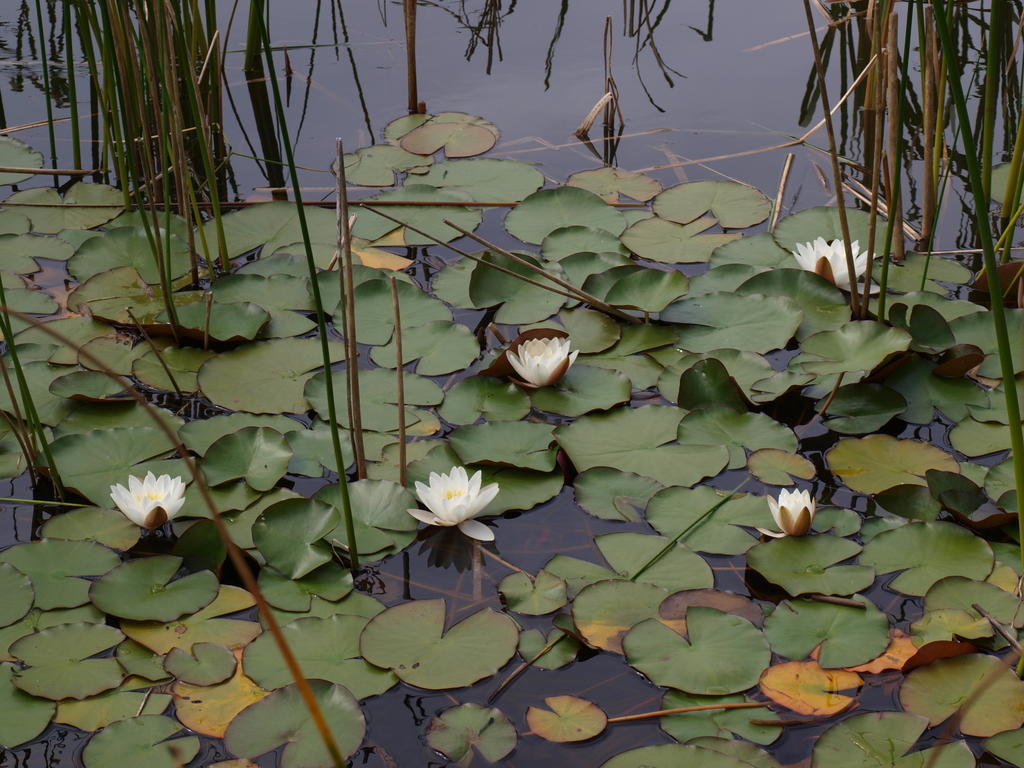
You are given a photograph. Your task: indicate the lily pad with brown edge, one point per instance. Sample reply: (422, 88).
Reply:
(59, 569)
(206, 664)
(59, 664)
(133, 698)
(609, 494)
(547, 210)
(843, 635)
(142, 740)
(566, 719)
(204, 626)
(875, 463)
(229, 322)
(810, 564)
(143, 590)
(25, 716)
(608, 183)
(720, 653)
(533, 596)
(655, 560)
(752, 322)
(923, 553)
(82, 206)
(209, 709)
(884, 740)
(901, 649)
(674, 608)
(806, 688)
(463, 731)
(326, 648)
(265, 377)
(605, 611)
(715, 521)
(667, 242)
(411, 640)
(563, 648)
(636, 440)
(941, 689)
(721, 723)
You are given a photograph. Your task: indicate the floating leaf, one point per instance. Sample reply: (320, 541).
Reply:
(665, 241)
(545, 211)
(485, 178)
(201, 627)
(258, 455)
(861, 407)
(675, 510)
(807, 564)
(877, 462)
(655, 560)
(459, 732)
(15, 153)
(59, 663)
(778, 467)
(736, 206)
(843, 635)
(608, 183)
(330, 581)
(16, 594)
(129, 247)
(721, 653)
(563, 648)
(605, 611)
(567, 719)
(804, 687)
(927, 552)
(880, 740)
(581, 390)
(122, 703)
(753, 323)
(482, 396)
(823, 222)
(440, 347)
(142, 740)
(613, 495)
(83, 206)
(942, 688)
(721, 426)
(533, 596)
(425, 217)
(288, 534)
(460, 135)
(722, 723)
(206, 664)
(824, 306)
(56, 569)
(409, 638)
(25, 717)
(376, 166)
(515, 444)
(860, 345)
(210, 709)
(142, 590)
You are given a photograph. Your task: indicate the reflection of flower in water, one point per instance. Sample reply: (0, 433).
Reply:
(455, 499)
(150, 502)
(541, 362)
(793, 513)
(829, 261)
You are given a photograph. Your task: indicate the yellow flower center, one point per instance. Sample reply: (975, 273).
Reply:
(453, 494)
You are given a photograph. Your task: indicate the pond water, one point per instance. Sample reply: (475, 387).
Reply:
(703, 87)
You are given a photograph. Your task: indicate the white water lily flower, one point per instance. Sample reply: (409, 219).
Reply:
(542, 362)
(793, 513)
(829, 261)
(455, 499)
(150, 502)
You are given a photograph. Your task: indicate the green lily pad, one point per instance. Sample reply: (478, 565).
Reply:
(59, 664)
(545, 211)
(605, 610)
(326, 648)
(506, 443)
(440, 347)
(566, 242)
(329, 581)
(634, 440)
(759, 251)
(206, 664)
(275, 374)
(581, 390)
(824, 306)
(722, 426)
(122, 703)
(884, 740)
(140, 662)
(591, 331)
(520, 302)
(460, 732)
(674, 755)
(860, 345)
(667, 242)
(184, 363)
(647, 290)
(877, 462)
(720, 654)
(20, 251)
(142, 740)
(752, 322)
(533, 596)
(83, 206)
(613, 495)
(861, 407)
(37, 619)
(823, 221)
(482, 396)
(645, 558)
(376, 166)
(722, 723)
(608, 183)
(375, 314)
(567, 719)
(927, 552)
(142, 590)
(381, 522)
(57, 568)
(459, 134)
(1008, 745)
(25, 717)
(775, 467)
(736, 206)
(485, 178)
(675, 510)
(807, 564)
(288, 534)
(940, 689)
(563, 648)
(409, 638)
(259, 455)
(845, 636)
(17, 154)
(428, 218)
(16, 594)
(977, 329)
(129, 247)
(204, 626)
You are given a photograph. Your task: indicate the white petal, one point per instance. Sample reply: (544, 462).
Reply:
(772, 534)
(485, 497)
(476, 530)
(423, 517)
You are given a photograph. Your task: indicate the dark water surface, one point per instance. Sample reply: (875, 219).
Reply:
(720, 78)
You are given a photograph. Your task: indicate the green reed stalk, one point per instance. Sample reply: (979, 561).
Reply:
(69, 58)
(989, 259)
(45, 58)
(346, 506)
(993, 71)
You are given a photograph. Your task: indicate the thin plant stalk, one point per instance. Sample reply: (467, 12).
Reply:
(409, 12)
(69, 58)
(399, 381)
(879, 83)
(990, 99)
(894, 94)
(837, 176)
(332, 416)
(988, 256)
(44, 57)
(347, 303)
(238, 559)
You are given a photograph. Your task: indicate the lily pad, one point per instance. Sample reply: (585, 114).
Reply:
(459, 134)
(845, 636)
(59, 664)
(142, 740)
(25, 717)
(16, 594)
(804, 687)
(506, 443)
(258, 455)
(57, 568)
(860, 345)
(142, 590)
(83, 206)
(543, 212)
(721, 426)
(204, 626)
(877, 462)
(17, 154)
(665, 241)
(567, 719)
(613, 495)
(122, 703)
(752, 322)
(460, 732)
(485, 178)
(440, 347)
(482, 396)
(605, 611)
(807, 564)
(410, 640)
(736, 206)
(289, 535)
(534, 596)
(581, 390)
(721, 723)
(674, 511)
(608, 183)
(206, 664)
(209, 709)
(884, 740)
